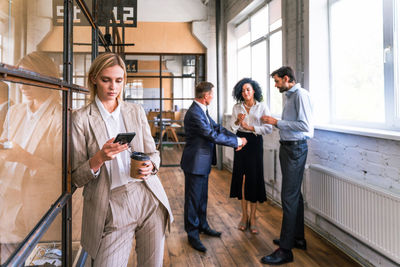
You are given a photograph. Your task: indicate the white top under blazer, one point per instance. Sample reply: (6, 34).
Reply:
(253, 118)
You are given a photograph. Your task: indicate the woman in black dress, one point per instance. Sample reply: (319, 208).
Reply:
(248, 172)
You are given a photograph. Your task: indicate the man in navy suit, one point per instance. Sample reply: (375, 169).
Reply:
(202, 133)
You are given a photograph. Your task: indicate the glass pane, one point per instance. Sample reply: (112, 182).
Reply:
(275, 62)
(134, 88)
(275, 17)
(259, 64)
(185, 106)
(357, 64)
(172, 132)
(170, 118)
(189, 66)
(144, 88)
(81, 68)
(48, 252)
(43, 63)
(28, 26)
(179, 88)
(82, 36)
(397, 58)
(259, 23)
(244, 67)
(242, 33)
(30, 166)
(143, 65)
(173, 65)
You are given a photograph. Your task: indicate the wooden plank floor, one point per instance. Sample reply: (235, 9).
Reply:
(235, 248)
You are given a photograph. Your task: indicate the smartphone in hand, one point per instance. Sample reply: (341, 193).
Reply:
(124, 138)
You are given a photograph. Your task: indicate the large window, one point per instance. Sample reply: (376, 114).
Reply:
(259, 50)
(364, 63)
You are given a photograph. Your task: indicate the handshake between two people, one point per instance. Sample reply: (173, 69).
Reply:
(244, 142)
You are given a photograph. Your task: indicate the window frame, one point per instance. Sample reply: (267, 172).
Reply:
(391, 72)
(252, 43)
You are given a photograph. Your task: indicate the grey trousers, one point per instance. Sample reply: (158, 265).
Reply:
(293, 159)
(134, 212)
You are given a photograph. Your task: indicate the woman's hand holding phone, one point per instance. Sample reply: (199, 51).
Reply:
(108, 152)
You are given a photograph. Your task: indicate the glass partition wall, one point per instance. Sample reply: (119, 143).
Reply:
(45, 52)
(46, 48)
(164, 85)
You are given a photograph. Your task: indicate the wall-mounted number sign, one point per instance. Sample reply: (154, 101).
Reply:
(131, 65)
(109, 13)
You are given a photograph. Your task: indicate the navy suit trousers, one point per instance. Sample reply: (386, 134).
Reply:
(195, 210)
(293, 159)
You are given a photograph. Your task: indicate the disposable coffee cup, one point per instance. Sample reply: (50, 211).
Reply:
(137, 161)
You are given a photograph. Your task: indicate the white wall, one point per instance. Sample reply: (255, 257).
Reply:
(205, 32)
(171, 10)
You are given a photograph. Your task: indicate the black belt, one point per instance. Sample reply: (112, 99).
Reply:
(289, 143)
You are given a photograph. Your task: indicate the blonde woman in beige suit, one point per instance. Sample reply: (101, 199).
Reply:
(117, 208)
(30, 172)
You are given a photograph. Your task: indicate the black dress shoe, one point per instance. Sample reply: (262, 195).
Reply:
(211, 232)
(279, 256)
(197, 245)
(298, 243)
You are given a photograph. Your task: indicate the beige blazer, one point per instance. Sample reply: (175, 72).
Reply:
(89, 133)
(26, 195)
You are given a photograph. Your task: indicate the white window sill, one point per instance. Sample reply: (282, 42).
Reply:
(377, 133)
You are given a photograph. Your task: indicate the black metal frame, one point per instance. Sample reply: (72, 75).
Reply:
(197, 77)
(25, 248)
(63, 204)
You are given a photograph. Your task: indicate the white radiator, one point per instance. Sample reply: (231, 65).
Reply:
(269, 166)
(369, 213)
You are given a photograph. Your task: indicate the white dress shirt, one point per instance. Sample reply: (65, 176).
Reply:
(22, 137)
(253, 118)
(120, 165)
(204, 108)
(297, 115)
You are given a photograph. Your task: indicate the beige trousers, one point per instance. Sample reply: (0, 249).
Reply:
(134, 212)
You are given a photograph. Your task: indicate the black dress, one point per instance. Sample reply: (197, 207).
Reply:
(249, 162)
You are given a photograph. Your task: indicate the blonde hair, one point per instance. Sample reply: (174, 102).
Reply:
(41, 63)
(102, 62)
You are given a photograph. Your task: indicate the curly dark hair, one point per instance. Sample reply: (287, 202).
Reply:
(237, 90)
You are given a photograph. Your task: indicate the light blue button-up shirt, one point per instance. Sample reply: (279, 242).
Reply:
(297, 121)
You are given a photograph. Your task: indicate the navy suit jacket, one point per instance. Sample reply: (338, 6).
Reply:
(201, 136)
